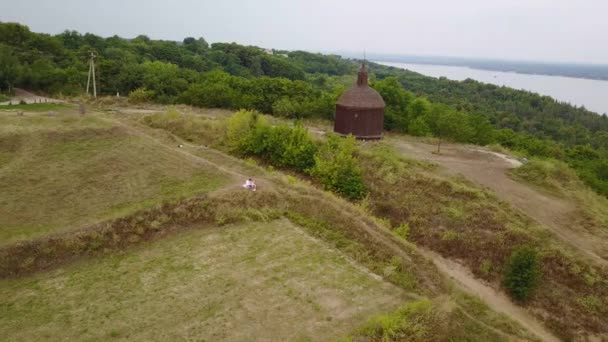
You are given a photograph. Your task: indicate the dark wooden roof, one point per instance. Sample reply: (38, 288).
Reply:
(361, 95)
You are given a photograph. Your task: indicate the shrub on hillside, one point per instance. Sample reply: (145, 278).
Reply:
(337, 169)
(241, 129)
(522, 273)
(141, 95)
(282, 146)
(415, 321)
(292, 147)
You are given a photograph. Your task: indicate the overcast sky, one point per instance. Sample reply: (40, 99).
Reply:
(544, 30)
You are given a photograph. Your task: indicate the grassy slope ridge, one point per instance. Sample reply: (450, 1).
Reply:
(336, 222)
(62, 172)
(559, 180)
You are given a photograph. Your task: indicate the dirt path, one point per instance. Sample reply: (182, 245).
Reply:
(489, 169)
(499, 302)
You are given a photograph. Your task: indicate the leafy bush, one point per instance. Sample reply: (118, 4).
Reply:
(522, 273)
(412, 322)
(141, 95)
(283, 146)
(403, 231)
(337, 169)
(419, 127)
(240, 130)
(298, 149)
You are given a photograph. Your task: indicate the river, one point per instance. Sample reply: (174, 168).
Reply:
(593, 94)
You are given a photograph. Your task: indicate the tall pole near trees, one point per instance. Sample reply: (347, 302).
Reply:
(92, 73)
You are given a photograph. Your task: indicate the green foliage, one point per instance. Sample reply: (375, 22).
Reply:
(412, 322)
(403, 231)
(398, 104)
(241, 130)
(419, 127)
(141, 95)
(9, 65)
(522, 273)
(289, 147)
(337, 168)
(284, 107)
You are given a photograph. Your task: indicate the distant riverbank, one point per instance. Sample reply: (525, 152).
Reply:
(577, 91)
(575, 70)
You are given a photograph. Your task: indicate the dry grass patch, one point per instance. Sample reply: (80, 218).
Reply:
(243, 282)
(62, 172)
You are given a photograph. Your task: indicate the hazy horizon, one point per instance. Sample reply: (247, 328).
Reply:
(555, 31)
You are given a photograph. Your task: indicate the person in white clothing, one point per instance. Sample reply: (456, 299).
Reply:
(249, 184)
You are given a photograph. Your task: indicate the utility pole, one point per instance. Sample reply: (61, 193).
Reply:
(92, 72)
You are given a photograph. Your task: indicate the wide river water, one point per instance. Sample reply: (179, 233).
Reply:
(593, 94)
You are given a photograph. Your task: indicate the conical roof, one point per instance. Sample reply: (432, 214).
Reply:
(361, 95)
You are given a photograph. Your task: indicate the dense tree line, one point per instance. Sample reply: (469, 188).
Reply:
(299, 84)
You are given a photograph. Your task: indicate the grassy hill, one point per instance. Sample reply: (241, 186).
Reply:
(62, 172)
(482, 229)
(199, 257)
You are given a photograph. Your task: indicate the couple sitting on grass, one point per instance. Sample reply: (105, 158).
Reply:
(249, 184)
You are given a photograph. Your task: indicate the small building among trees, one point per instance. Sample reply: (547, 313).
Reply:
(360, 110)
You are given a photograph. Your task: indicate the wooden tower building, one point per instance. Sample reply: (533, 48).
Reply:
(360, 110)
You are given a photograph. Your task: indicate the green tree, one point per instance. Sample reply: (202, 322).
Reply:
(482, 131)
(419, 107)
(196, 45)
(450, 125)
(9, 67)
(419, 127)
(397, 101)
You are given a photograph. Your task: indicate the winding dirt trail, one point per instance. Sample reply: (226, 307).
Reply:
(499, 302)
(489, 169)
